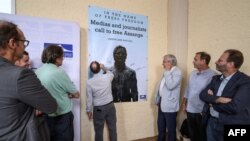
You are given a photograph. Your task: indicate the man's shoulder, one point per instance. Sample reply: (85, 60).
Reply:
(10, 69)
(242, 77)
(177, 70)
(129, 69)
(212, 72)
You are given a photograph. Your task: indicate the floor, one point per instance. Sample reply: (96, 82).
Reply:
(151, 139)
(148, 139)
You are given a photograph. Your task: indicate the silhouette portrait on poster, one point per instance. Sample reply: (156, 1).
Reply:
(124, 84)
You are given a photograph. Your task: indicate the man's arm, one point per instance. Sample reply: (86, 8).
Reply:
(239, 102)
(67, 84)
(75, 95)
(134, 90)
(172, 79)
(31, 92)
(184, 104)
(89, 101)
(207, 95)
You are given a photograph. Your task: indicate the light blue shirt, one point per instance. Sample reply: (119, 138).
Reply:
(224, 82)
(197, 82)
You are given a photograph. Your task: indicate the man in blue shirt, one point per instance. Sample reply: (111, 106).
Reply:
(192, 104)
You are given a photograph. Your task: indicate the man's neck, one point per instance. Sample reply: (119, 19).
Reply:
(120, 66)
(7, 55)
(230, 72)
(202, 68)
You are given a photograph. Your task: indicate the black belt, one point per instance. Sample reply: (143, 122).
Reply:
(108, 103)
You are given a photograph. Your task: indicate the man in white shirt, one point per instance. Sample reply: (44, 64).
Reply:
(99, 94)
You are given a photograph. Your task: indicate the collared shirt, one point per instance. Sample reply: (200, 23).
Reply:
(58, 83)
(224, 82)
(197, 82)
(99, 90)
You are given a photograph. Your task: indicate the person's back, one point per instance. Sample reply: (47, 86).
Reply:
(13, 112)
(61, 87)
(99, 90)
(54, 80)
(99, 101)
(20, 91)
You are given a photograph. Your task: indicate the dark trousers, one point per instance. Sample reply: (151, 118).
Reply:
(194, 121)
(100, 115)
(165, 121)
(215, 130)
(61, 127)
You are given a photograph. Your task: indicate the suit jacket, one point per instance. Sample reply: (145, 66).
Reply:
(20, 93)
(238, 110)
(169, 100)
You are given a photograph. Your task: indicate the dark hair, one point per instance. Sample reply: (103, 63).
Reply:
(120, 47)
(51, 53)
(95, 69)
(8, 30)
(235, 56)
(25, 53)
(204, 56)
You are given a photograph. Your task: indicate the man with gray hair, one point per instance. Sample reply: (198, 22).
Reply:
(167, 98)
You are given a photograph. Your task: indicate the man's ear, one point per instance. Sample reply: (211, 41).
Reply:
(203, 61)
(231, 64)
(12, 43)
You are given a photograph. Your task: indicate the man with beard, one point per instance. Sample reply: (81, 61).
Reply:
(20, 91)
(124, 84)
(226, 97)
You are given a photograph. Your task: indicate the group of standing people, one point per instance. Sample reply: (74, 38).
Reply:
(210, 100)
(28, 98)
(34, 106)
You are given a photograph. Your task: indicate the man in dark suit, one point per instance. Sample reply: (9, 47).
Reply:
(20, 91)
(227, 96)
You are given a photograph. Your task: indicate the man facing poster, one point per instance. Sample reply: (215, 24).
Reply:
(124, 84)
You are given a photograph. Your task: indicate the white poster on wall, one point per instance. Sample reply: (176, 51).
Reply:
(41, 32)
(111, 28)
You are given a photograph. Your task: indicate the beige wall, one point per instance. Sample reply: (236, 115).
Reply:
(135, 120)
(217, 25)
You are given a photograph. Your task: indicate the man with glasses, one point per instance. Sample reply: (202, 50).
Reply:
(25, 42)
(20, 91)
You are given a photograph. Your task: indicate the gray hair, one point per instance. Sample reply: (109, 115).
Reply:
(171, 58)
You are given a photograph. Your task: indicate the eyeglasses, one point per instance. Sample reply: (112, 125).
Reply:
(25, 42)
